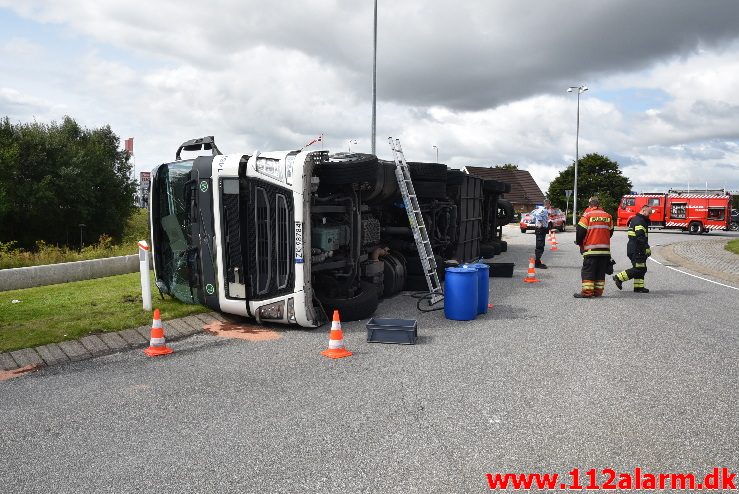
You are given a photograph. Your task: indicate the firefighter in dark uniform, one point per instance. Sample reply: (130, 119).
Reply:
(594, 231)
(638, 251)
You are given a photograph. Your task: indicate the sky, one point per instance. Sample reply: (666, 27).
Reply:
(482, 80)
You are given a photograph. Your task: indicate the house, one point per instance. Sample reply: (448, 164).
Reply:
(525, 195)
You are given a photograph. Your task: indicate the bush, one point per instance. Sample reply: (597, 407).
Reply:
(137, 228)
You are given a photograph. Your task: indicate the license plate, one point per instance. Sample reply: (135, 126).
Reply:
(298, 241)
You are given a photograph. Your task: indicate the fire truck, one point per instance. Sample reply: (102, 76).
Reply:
(694, 212)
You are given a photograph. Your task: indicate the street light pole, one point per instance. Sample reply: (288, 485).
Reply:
(580, 90)
(437, 152)
(374, 84)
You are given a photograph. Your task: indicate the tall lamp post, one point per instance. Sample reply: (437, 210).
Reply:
(437, 152)
(374, 84)
(580, 90)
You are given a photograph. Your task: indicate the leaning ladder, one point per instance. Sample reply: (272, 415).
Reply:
(415, 217)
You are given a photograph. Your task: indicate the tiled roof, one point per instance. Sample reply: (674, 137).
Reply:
(523, 187)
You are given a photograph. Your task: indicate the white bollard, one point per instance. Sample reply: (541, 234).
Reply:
(144, 268)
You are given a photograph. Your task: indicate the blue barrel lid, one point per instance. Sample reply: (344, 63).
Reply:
(462, 269)
(476, 265)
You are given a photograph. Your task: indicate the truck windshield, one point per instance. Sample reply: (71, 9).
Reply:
(176, 259)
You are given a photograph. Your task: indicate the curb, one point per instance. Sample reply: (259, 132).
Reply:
(667, 252)
(96, 345)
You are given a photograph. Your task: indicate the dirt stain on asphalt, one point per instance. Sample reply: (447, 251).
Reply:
(6, 375)
(241, 331)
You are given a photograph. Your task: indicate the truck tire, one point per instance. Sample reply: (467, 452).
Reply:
(431, 172)
(695, 228)
(360, 306)
(505, 212)
(454, 177)
(733, 226)
(490, 250)
(394, 274)
(430, 190)
(349, 169)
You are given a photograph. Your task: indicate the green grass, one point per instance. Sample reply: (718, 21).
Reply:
(733, 246)
(137, 229)
(54, 313)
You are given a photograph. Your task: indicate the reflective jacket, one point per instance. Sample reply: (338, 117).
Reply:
(638, 237)
(594, 231)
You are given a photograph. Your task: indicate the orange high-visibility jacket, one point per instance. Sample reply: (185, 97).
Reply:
(594, 231)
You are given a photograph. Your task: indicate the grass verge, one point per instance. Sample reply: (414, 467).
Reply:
(733, 246)
(54, 313)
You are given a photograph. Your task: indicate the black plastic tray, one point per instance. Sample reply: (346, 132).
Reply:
(400, 331)
(501, 269)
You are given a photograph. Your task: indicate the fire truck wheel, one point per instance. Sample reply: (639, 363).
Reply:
(694, 228)
(734, 226)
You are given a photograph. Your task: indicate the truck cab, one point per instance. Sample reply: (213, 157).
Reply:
(227, 232)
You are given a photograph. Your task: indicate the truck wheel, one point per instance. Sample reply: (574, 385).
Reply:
(489, 250)
(395, 273)
(561, 227)
(695, 228)
(430, 190)
(734, 226)
(523, 230)
(360, 306)
(348, 168)
(505, 212)
(433, 172)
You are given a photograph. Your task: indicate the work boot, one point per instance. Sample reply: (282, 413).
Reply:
(581, 295)
(540, 265)
(619, 283)
(641, 290)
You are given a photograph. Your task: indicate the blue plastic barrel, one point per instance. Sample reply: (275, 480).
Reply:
(460, 293)
(483, 284)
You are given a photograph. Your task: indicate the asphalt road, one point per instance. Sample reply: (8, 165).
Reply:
(542, 383)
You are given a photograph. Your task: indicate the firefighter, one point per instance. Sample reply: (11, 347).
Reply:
(638, 251)
(541, 228)
(593, 235)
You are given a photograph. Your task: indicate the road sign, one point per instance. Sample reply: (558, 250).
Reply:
(568, 193)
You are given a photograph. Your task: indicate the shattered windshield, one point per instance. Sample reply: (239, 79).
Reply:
(177, 269)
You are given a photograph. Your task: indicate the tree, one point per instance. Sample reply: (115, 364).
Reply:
(507, 166)
(596, 176)
(54, 177)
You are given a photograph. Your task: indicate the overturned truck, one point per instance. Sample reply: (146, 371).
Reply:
(288, 236)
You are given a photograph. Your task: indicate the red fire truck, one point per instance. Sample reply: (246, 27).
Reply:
(692, 211)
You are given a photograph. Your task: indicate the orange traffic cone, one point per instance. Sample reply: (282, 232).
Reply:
(336, 340)
(531, 276)
(157, 345)
(554, 241)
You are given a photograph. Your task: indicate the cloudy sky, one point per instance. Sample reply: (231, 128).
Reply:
(483, 80)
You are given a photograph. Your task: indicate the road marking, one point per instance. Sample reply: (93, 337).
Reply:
(694, 276)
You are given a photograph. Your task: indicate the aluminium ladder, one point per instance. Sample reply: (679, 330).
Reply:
(415, 217)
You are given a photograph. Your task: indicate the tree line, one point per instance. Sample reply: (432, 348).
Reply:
(55, 177)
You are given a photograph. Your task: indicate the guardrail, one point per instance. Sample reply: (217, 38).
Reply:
(51, 274)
